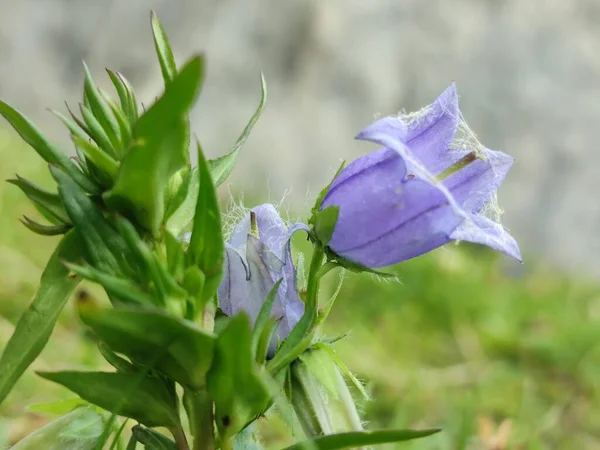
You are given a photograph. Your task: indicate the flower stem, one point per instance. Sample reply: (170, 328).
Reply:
(180, 439)
(199, 407)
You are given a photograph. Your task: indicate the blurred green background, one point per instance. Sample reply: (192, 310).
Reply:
(500, 355)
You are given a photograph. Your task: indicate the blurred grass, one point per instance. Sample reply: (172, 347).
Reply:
(499, 355)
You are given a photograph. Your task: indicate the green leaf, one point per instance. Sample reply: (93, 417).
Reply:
(122, 289)
(105, 248)
(153, 271)
(175, 256)
(221, 167)
(101, 112)
(163, 50)
(126, 96)
(361, 438)
(160, 150)
(101, 160)
(183, 206)
(122, 120)
(79, 430)
(234, 382)
(153, 440)
(121, 364)
(96, 132)
(74, 128)
(58, 408)
(47, 150)
(45, 230)
(325, 221)
(37, 322)
(176, 347)
(263, 317)
(207, 247)
(143, 398)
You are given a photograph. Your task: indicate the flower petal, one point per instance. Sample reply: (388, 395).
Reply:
(427, 134)
(387, 223)
(481, 230)
(474, 185)
(272, 230)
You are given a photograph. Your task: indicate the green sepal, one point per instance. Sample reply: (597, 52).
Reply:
(45, 230)
(174, 346)
(143, 398)
(152, 440)
(322, 194)
(234, 381)
(325, 220)
(47, 150)
(207, 247)
(221, 167)
(262, 322)
(352, 266)
(166, 59)
(37, 322)
(159, 150)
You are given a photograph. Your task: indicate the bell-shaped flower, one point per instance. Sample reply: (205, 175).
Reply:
(430, 184)
(257, 256)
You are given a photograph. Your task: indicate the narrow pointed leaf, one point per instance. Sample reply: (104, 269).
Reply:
(37, 322)
(101, 110)
(160, 150)
(163, 50)
(106, 250)
(234, 382)
(121, 364)
(49, 200)
(97, 133)
(221, 167)
(361, 438)
(74, 128)
(207, 247)
(47, 150)
(176, 347)
(122, 289)
(126, 95)
(143, 398)
(97, 157)
(45, 230)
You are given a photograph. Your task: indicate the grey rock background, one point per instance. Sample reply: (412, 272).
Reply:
(528, 73)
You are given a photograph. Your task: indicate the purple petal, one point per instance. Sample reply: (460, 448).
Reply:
(388, 220)
(366, 164)
(427, 135)
(481, 230)
(474, 185)
(272, 230)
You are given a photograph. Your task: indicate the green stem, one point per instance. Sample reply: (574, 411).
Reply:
(199, 408)
(180, 439)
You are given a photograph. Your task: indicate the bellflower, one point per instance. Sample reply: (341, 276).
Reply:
(255, 260)
(423, 189)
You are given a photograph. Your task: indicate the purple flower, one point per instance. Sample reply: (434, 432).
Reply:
(253, 265)
(423, 189)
